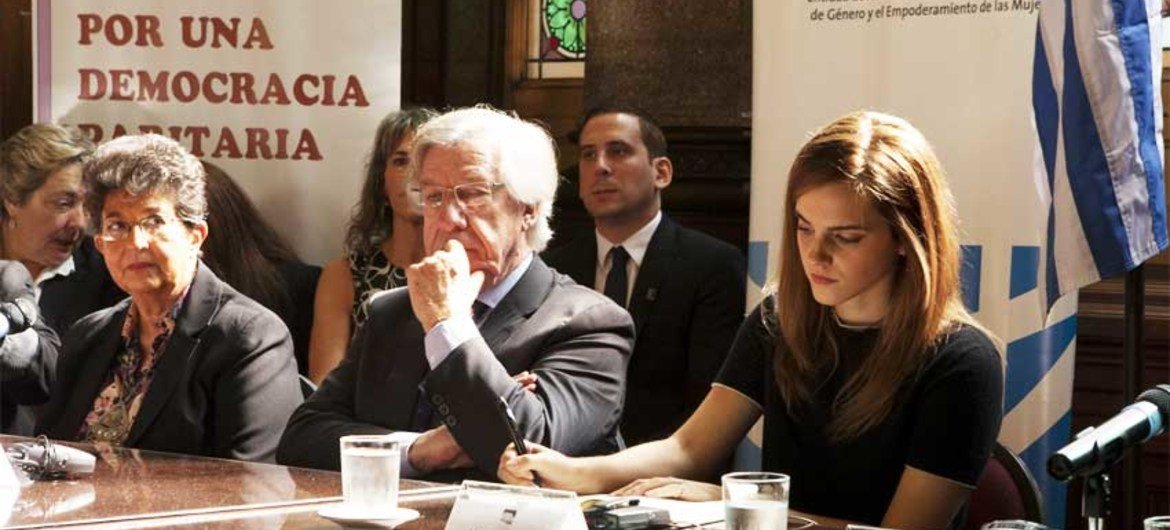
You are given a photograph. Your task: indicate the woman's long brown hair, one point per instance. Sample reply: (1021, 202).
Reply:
(889, 163)
(372, 220)
(241, 247)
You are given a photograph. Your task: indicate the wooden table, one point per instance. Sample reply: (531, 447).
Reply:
(134, 488)
(131, 488)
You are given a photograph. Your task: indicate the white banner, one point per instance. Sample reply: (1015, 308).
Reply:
(960, 71)
(285, 95)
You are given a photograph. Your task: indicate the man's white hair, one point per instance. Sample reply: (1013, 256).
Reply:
(520, 154)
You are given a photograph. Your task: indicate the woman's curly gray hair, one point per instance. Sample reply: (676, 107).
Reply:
(144, 165)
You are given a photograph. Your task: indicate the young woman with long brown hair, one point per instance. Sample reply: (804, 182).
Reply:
(881, 394)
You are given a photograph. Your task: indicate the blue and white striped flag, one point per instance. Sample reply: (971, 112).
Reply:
(1097, 100)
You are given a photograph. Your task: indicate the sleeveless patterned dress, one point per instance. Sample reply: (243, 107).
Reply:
(372, 272)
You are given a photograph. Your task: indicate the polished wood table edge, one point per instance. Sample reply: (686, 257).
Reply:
(171, 520)
(214, 515)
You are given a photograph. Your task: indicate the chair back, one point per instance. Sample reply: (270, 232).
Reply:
(1006, 490)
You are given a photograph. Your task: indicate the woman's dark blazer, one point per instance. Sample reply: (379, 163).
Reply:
(225, 385)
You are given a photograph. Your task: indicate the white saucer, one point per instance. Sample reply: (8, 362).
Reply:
(340, 513)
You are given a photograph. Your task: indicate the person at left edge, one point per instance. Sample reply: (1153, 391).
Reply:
(187, 364)
(423, 368)
(44, 225)
(27, 358)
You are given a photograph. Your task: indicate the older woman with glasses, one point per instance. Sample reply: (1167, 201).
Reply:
(187, 364)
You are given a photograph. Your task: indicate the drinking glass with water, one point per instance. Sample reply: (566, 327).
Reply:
(1160, 522)
(369, 474)
(1013, 524)
(755, 501)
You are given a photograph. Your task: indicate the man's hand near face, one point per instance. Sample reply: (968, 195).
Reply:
(442, 286)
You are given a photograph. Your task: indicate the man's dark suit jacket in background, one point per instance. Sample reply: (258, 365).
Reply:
(687, 304)
(64, 300)
(576, 341)
(225, 385)
(26, 375)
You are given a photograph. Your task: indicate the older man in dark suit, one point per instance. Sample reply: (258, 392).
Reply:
(684, 289)
(434, 359)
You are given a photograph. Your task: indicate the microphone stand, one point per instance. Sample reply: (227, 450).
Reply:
(1133, 348)
(1095, 500)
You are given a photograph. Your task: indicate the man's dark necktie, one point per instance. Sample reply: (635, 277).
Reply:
(617, 283)
(424, 417)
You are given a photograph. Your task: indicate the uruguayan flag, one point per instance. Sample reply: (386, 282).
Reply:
(1098, 108)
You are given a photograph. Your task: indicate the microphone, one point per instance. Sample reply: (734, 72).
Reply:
(44, 459)
(1097, 449)
(17, 316)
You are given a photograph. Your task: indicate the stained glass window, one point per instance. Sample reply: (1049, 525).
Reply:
(557, 39)
(564, 26)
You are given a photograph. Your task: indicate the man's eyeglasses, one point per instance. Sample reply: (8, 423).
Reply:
(468, 196)
(116, 230)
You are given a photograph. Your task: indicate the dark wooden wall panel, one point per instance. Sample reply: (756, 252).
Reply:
(423, 46)
(15, 66)
(646, 54)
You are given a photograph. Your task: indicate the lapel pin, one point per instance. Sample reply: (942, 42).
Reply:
(652, 294)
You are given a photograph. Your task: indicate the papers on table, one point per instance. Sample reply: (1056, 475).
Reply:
(489, 506)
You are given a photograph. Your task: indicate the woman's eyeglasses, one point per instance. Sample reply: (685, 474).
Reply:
(116, 230)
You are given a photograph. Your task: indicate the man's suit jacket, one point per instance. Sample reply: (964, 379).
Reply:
(687, 303)
(26, 373)
(574, 339)
(225, 385)
(65, 299)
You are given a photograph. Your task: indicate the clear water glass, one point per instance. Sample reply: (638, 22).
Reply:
(1160, 522)
(755, 501)
(1013, 524)
(369, 474)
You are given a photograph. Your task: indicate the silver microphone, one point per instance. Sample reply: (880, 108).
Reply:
(45, 460)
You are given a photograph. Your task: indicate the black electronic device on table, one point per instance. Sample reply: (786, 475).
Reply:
(624, 514)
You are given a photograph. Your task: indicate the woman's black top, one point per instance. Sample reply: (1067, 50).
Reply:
(946, 421)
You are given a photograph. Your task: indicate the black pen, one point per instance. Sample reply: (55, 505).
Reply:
(514, 431)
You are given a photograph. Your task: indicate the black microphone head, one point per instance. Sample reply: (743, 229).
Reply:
(15, 281)
(28, 308)
(1159, 396)
(1060, 467)
(13, 318)
(20, 314)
